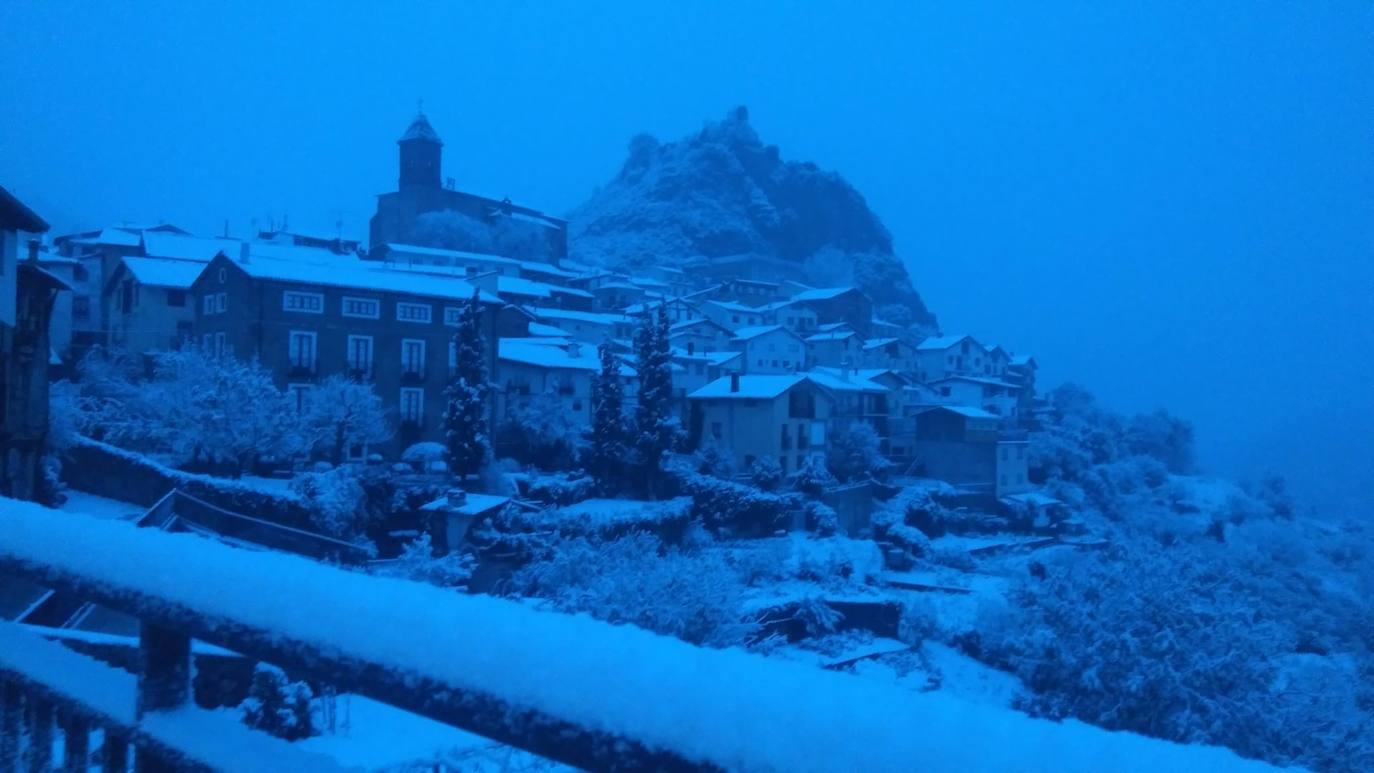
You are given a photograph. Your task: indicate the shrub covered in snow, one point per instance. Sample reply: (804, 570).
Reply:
(417, 562)
(833, 560)
(1188, 643)
(855, 453)
(277, 705)
(544, 433)
(559, 488)
(821, 519)
(421, 454)
(766, 473)
(337, 499)
(694, 595)
(743, 509)
(813, 477)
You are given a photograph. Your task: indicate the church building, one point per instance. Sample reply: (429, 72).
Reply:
(516, 231)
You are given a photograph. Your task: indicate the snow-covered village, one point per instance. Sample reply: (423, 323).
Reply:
(692, 475)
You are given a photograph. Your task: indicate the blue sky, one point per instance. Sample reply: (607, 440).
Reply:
(1171, 203)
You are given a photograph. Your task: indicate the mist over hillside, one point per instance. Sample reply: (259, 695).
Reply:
(722, 192)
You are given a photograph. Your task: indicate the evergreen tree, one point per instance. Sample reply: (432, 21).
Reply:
(606, 445)
(656, 429)
(465, 417)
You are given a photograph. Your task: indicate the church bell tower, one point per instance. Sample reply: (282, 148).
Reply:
(421, 152)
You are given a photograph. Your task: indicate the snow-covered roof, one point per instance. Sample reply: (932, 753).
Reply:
(839, 380)
(679, 327)
(580, 316)
(821, 294)
(941, 343)
(118, 237)
(1032, 498)
(966, 410)
(732, 306)
(751, 387)
(164, 272)
(393, 249)
(553, 357)
(747, 333)
(359, 277)
(1022, 360)
(977, 380)
(547, 331)
(474, 504)
(832, 326)
(833, 335)
(878, 343)
(535, 267)
(420, 129)
(164, 244)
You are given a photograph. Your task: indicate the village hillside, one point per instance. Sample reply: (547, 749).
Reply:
(469, 491)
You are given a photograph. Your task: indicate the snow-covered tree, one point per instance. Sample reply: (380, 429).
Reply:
(656, 428)
(465, 417)
(813, 476)
(277, 705)
(339, 413)
(337, 499)
(451, 230)
(544, 431)
(417, 562)
(605, 452)
(766, 473)
(856, 453)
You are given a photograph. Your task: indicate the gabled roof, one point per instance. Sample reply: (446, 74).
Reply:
(15, 215)
(554, 356)
(833, 335)
(878, 343)
(967, 411)
(833, 326)
(539, 329)
(822, 293)
(438, 252)
(1023, 360)
(165, 244)
(679, 327)
(359, 277)
(976, 380)
(751, 387)
(839, 380)
(580, 316)
(164, 272)
(732, 306)
(939, 344)
(420, 129)
(749, 333)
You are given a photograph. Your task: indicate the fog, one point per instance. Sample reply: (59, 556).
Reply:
(1173, 205)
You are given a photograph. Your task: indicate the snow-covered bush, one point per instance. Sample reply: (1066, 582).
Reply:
(821, 519)
(339, 413)
(855, 453)
(696, 596)
(544, 433)
(833, 560)
(742, 509)
(421, 454)
(337, 500)
(816, 617)
(712, 459)
(560, 488)
(813, 477)
(277, 705)
(417, 562)
(766, 473)
(1186, 643)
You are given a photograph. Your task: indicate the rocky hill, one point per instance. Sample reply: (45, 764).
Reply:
(721, 192)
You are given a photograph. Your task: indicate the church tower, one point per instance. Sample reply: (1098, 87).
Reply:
(421, 150)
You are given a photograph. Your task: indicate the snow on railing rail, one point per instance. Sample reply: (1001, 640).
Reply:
(566, 687)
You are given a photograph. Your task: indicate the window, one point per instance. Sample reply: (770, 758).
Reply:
(128, 296)
(207, 342)
(221, 302)
(360, 355)
(222, 275)
(221, 345)
(451, 315)
(412, 404)
(717, 431)
(81, 307)
(412, 356)
(184, 330)
(302, 349)
(356, 452)
(414, 312)
(452, 357)
(305, 303)
(363, 308)
(207, 304)
(299, 393)
(176, 297)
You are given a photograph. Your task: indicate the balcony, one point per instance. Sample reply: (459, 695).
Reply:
(413, 376)
(301, 371)
(581, 692)
(361, 375)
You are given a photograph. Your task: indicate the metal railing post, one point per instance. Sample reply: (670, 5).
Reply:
(164, 674)
(114, 754)
(11, 712)
(76, 743)
(39, 756)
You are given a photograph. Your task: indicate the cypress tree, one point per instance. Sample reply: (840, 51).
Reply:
(606, 449)
(465, 416)
(656, 428)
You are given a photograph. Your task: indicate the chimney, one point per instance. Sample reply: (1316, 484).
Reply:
(245, 252)
(734, 381)
(456, 497)
(574, 349)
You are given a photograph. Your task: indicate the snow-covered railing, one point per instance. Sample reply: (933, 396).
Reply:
(566, 687)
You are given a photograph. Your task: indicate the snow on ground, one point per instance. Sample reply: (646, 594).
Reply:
(725, 707)
(966, 678)
(279, 486)
(374, 735)
(100, 507)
